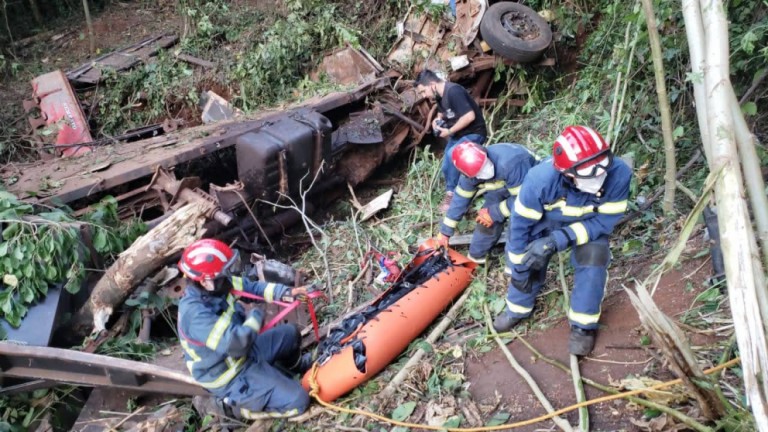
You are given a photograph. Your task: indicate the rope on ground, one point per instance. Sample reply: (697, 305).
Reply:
(315, 390)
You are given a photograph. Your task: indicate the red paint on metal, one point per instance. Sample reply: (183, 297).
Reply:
(62, 113)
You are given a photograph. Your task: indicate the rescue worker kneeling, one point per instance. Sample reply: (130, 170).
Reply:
(223, 348)
(573, 200)
(498, 171)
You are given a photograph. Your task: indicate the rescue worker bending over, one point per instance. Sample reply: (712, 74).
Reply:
(223, 347)
(498, 171)
(573, 199)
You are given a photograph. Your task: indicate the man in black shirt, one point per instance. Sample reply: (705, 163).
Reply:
(459, 119)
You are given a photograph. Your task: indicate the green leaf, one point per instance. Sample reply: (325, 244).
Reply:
(651, 413)
(749, 109)
(403, 411)
(499, 418)
(678, 132)
(28, 418)
(3, 249)
(425, 346)
(453, 422)
(100, 240)
(27, 293)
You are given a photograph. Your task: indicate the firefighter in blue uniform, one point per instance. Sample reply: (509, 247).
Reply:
(572, 200)
(224, 349)
(497, 172)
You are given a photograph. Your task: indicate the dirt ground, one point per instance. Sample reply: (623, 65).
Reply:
(618, 354)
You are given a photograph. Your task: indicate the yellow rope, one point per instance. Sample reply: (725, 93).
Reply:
(315, 391)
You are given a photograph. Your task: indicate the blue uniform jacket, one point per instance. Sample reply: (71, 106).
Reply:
(550, 203)
(511, 163)
(215, 332)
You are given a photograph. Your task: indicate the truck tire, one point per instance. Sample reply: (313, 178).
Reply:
(515, 31)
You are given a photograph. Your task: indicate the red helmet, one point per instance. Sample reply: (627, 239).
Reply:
(206, 259)
(469, 158)
(581, 151)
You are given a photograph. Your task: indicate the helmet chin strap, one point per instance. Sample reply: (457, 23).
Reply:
(221, 286)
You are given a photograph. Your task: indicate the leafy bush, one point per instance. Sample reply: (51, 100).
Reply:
(269, 71)
(43, 248)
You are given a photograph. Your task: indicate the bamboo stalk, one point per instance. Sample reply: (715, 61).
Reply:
(559, 421)
(36, 13)
(750, 162)
(694, 29)
(648, 404)
(615, 104)
(581, 395)
(563, 283)
(619, 121)
(668, 203)
(742, 267)
(89, 23)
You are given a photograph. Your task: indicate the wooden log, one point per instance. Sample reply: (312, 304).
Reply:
(144, 257)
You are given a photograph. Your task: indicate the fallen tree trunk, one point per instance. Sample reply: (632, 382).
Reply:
(144, 257)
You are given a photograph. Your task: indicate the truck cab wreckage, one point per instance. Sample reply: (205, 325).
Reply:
(240, 167)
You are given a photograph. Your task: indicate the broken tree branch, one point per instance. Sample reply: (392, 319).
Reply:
(677, 351)
(559, 421)
(145, 255)
(666, 116)
(309, 225)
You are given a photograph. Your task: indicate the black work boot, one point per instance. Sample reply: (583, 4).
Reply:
(505, 322)
(581, 341)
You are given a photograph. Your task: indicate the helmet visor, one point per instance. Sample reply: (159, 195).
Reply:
(593, 166)
(233, 267)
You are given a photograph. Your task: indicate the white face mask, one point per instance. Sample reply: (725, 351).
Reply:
(591, 185)
(487, 171)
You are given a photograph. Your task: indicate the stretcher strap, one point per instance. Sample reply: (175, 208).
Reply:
(287, 308)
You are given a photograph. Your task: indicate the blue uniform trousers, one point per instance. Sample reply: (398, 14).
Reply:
(450, 173)
(590, 263)
(263, 387)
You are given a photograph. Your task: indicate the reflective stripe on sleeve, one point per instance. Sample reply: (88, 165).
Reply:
(450, 222)
(504, 209)
(617, 207)
(269, 292)
(582, 236)
(464, 193)
(526, 212)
